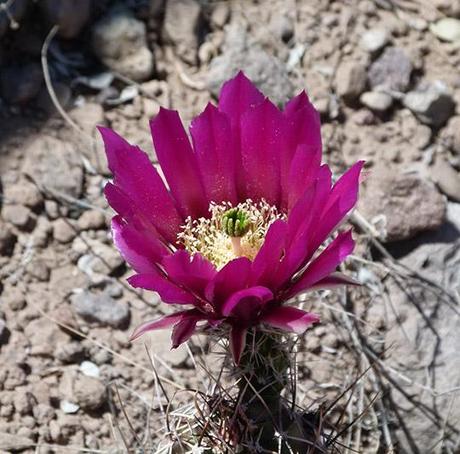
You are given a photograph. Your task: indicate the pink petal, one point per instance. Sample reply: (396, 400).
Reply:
(302, 223)
(290, 318)
(342, 199)
(139, 250)
(303, 121)
(161, 323)
(302, 214)
(192, 272)
(168, 291)
(325, 263)
(236, 97)
(303, 127)
(129, 211)
(346, 189)
(234, 276)
(184, 330)
(139, 181)
(178, 163)
(262, 134)
(237, 342)
(212, 142)
(267, 261)
(297, 103)
(246, 303)
(302, 173)
(124, 206)
(306, 213)
(334, 280)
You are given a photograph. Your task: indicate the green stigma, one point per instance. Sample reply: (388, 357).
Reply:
(235, 222)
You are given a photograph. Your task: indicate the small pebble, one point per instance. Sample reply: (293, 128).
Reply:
(447, 29)
(68, 407)
(375, 39)
(89, 369)
(376, 101)
(63, 232)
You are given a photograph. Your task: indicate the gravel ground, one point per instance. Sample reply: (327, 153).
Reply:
(384, 76)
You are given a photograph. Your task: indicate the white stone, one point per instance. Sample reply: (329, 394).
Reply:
(373, 40)
(89, 369)
(447, 29)
(68, 407)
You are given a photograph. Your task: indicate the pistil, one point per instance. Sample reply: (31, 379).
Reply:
(236, 246)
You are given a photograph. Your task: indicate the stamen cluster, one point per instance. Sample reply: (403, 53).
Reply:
(212, 236)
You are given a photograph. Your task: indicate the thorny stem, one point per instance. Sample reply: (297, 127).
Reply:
(264, 373)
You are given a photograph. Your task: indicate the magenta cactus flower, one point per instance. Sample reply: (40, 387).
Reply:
(238, 228)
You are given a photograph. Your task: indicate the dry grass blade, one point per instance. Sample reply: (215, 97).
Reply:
(49, 85)
(128, 420)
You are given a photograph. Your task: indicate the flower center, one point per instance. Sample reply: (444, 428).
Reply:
(229, 232)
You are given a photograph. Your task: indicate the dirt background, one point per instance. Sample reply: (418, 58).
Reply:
(384, 75)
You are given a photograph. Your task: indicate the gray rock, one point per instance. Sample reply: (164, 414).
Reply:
(220, 14)
(54, 165)
(351, 81)
(14, 443)
(447, 178)
(120, 41)
(44, 337)
(20, 84)
(422, 136)
(450, 8)
(38, 269)
(266, 71)
(100, 262)
(409, 204)
(89, 393)
(391, 71)
(63, 232)
(91, 220)
(13, 297)
(52, 209)
(43, 413)
(20, 216)
(447, 29)
(71, 16)
(101, 308)
(70, 352)
(88, 116)
(23, 401)
(431, 103)
(425, 335)
(7, 240)
(374, 39)
(100, 357)
(181, 27)
(452, 134)
(24, 193)
(376, 101)
(15, 376)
